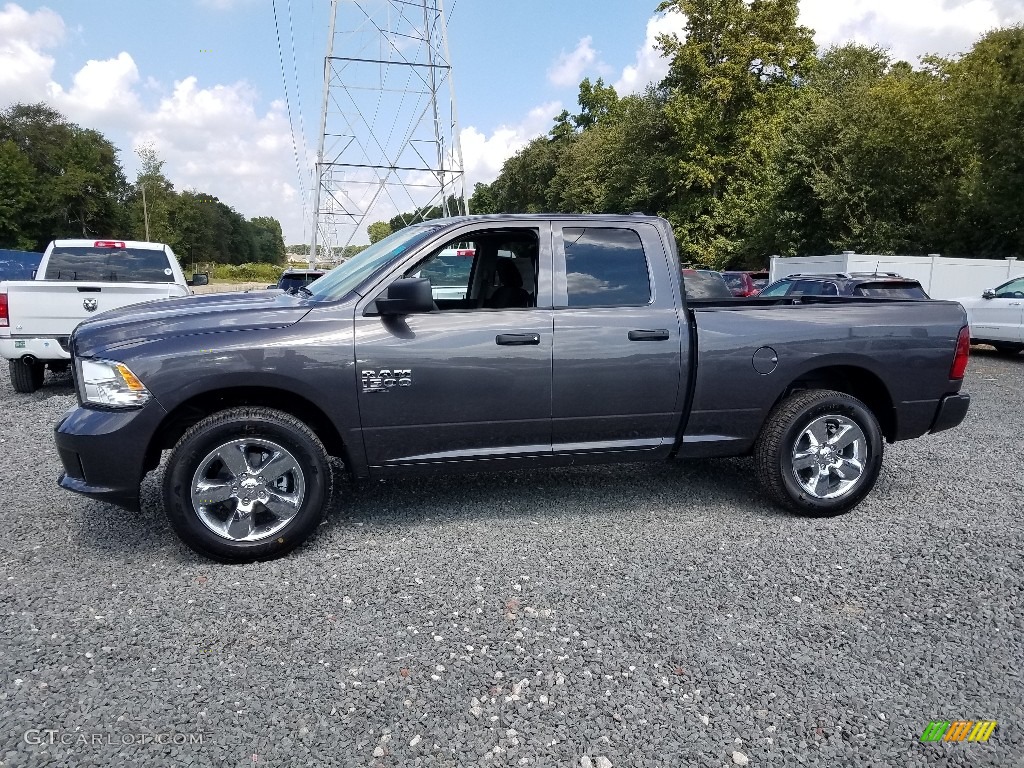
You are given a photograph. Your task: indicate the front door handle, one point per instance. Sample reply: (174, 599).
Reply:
(659, 335)
(518, 339)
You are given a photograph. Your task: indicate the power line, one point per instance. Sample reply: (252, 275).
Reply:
(288, 104)
(298, 90)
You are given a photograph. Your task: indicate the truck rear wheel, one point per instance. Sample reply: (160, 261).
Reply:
(819, 453)
(247, 484)
(26, 377)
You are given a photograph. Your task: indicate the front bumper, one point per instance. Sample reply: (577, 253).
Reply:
(951, 412)
(104, 452)
(41, 349)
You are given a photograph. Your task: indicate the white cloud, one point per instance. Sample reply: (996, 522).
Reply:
(909, 28)
(568, 68)
(24, 68)
(102, 93)
(216, 139)
(484, 155)
(650, 66)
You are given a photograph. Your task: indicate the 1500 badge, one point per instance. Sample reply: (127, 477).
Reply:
(385, 379)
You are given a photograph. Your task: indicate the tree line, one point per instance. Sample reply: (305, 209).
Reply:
(757, 143)
(59, 180)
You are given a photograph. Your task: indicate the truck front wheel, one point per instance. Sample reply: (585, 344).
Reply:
(247, 484)
(26, 377)
(819, 452)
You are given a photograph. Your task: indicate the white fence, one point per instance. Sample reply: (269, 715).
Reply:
(941, 277)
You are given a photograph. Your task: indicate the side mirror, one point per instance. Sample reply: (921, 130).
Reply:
(408, 296)
(201, 278)
(989, 293)
(34, 273)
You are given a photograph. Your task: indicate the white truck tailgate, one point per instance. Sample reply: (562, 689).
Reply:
(48, 309)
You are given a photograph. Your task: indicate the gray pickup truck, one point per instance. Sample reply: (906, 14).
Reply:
(573, 342)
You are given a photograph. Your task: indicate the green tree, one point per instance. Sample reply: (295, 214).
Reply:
(153, 197)
(18, 199)
(869, 161)
(269, 239)
(987, 97)
(378, 231)
(79, 183)
(730, 80)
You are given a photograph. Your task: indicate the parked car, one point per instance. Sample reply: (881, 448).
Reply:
(741, 284)
(705, 284)
(761, 279)
(18, 265)
(293, 279)
(590, 352)
(997, 317)
(77, 279)
(876, 285)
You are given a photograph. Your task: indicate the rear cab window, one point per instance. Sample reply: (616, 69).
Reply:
(890, 291)
(606, 267)
(108, 264)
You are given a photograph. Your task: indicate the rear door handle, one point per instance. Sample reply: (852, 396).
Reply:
(518, 339)
(659, 335)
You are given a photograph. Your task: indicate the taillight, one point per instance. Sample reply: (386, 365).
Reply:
(963, 354)
(108, 244)
(5, 318)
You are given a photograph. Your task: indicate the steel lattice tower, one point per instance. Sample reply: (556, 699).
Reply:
(389, 137)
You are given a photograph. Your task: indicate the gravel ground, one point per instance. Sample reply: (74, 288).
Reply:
(659, 615)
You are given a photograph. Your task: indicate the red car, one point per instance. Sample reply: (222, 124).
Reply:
(741, 284)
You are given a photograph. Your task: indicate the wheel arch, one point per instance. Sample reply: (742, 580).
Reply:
(856, 381)
(199, 406)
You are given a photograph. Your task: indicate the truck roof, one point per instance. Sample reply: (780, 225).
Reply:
(92, 241)
(543, 217)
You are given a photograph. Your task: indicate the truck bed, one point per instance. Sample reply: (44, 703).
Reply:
(901, 349)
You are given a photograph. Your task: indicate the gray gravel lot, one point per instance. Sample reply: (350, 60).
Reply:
(637, 615)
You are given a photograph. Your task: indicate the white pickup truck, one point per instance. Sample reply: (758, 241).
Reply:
(78, 279)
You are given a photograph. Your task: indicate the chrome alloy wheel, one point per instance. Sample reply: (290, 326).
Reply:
(829, 457)
(248, 490)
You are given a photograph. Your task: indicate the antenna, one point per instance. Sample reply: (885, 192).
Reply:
(389, 137)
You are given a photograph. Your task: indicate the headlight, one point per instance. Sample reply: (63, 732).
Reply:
(112, 384)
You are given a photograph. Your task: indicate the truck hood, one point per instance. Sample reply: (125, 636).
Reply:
(190, 315)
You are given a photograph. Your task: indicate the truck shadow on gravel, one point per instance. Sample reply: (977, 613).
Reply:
(550, 493)
(723, 487)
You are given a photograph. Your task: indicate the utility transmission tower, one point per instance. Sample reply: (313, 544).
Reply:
(389, 135)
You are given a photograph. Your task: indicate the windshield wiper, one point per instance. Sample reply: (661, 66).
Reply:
(304, 289)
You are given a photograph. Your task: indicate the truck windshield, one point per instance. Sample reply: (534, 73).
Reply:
(344, 279)
(109, 265)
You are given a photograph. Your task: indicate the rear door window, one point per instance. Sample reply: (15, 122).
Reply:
(605, 267)
(812, 288)
(113, 265)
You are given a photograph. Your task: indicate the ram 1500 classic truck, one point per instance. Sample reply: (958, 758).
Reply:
(77, 279)
(573, 342)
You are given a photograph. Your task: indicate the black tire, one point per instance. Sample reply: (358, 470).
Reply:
(785, 434)
(246, 430)
(1008, 347)
(26, 377)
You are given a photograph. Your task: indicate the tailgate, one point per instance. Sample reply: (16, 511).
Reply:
(49, 309)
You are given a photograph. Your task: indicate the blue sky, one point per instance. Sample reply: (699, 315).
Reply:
(200, 80)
